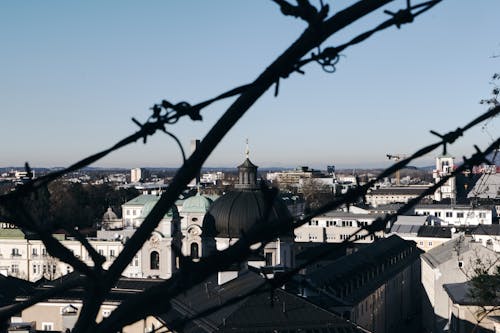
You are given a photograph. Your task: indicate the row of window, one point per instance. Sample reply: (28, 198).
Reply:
(134, 212)
(457, 214)
(343, 223)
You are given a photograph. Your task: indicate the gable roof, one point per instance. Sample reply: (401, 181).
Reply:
(262, 312)
(447, 251)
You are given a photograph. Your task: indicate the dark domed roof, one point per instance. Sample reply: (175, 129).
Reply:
(238, 211)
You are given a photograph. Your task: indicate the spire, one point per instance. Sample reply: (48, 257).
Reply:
(247, 173)
(247, 150)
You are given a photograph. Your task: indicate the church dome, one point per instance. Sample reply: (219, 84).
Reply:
(109, 215)
(196, 204)
(236, 212)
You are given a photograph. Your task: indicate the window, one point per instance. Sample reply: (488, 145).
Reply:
(154, 258)
(430, 243)
(44, 252)
(106, 313)
(34, 269)
(482, 215)
(34, 252)
(460, 215)
(449, 214)
(15, 269)
(112, 253)
(128, 211)
(437, 214)
(15, 252)
(194, 251)
(269, 259)
(47, 326)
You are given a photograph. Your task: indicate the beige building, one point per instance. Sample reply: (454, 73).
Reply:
(60, 313)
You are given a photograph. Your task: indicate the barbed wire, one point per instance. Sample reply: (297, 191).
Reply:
(167, 113)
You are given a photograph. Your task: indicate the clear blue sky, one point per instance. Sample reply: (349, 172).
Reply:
(73, 73)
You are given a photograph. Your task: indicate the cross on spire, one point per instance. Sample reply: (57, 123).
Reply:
(247, 150)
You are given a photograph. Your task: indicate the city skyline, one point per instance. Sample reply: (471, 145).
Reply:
(76, 73)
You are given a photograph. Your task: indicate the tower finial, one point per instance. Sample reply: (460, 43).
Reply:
(247, 150)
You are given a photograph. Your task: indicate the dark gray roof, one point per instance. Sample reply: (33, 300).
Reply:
(263, 312)
(460, 293)
(487, 229)
(247, 164)
(434, 231)
(398, 191)
(238, 211)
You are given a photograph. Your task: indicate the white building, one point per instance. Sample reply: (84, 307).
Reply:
(444, 167)
(135, 175)
(335, 227)
(458, 215)
(394, 194)
(28, 259)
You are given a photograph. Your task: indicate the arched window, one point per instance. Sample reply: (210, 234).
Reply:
(154, 258)
(195, 251)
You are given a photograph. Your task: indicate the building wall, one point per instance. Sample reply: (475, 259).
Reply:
(391, 306)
